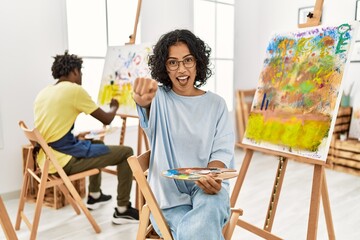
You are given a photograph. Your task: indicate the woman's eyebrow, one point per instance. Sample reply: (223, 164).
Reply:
(182, 58)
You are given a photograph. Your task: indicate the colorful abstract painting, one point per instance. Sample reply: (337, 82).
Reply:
(123, 64)
(298, 93)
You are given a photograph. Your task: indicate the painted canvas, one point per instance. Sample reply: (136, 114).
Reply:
(123, 64)
(299, 90)
(354, 131)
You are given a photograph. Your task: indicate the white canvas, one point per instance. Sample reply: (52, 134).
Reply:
(123, 64)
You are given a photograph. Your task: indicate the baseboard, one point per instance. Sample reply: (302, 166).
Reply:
(10, 195)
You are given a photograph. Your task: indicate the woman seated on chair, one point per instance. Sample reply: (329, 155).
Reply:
(187, 127)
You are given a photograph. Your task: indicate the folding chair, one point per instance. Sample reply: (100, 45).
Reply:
(6, 223)
(139, 166)
(46, 180)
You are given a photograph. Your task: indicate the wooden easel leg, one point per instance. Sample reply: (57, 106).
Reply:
(123, 130)
(147, 146)
(240, 179)
(239, 115)
(256, 230)
(315, 202)
(139, 140)
(275, 194)
(142, 137)
(6, 223)
(327, 209)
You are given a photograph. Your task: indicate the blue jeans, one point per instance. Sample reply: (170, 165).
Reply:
(205, 219)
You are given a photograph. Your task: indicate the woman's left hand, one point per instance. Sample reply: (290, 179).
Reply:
(209, 184)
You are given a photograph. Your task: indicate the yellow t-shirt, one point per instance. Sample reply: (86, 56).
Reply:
(56, 108)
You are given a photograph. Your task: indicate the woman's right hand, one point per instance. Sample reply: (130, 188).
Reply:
(144, 91)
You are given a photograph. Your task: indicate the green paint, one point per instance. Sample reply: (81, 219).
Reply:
(289, 88)
(344, 40)
(327, 62)
(314, 69)
(307, 86)
(308, 102)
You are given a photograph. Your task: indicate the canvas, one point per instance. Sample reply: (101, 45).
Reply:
(354, 131)
(123, 64)
(299, 90)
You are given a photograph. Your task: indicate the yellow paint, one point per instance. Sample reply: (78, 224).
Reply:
(292, 132)
(122, 93)
(107, 92)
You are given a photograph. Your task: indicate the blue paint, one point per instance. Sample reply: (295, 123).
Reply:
(263, 102)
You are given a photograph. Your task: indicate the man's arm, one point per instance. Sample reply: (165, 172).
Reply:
(106, 117)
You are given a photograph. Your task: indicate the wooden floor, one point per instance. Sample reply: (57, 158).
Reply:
(290, 221)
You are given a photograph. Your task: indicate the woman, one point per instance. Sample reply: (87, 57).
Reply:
(187, 127)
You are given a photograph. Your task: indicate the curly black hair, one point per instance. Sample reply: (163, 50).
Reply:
(64, 64)
(198, 48)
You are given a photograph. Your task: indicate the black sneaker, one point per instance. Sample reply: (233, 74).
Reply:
(131, 215)
(93, 203)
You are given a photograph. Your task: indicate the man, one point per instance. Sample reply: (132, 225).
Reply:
(56, 108)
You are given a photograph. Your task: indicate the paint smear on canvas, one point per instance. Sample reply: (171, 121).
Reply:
(297, 95)
(123, 64)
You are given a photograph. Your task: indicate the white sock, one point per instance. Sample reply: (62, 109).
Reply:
(121, 209)
(95, 195)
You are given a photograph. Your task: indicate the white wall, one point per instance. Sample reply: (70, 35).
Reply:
(161, 16)
(31, 32)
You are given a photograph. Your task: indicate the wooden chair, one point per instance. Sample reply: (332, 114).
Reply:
(139, 166)
(244, 100)
(46, 180)
(6, 223)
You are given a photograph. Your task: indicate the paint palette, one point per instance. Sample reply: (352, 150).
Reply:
(97, 134)
(193, 174)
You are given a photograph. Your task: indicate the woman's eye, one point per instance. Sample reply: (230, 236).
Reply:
(172, 62)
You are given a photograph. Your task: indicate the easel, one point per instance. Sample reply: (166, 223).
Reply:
(319, 190)
(313, 18)
(141, 136)
(319, 184)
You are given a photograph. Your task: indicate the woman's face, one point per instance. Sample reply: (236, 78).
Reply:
(181, 67)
